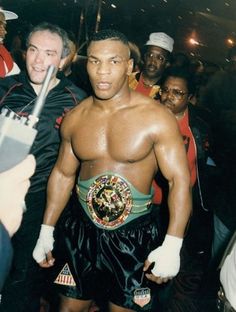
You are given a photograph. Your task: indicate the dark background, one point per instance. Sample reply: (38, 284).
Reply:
(209, 22)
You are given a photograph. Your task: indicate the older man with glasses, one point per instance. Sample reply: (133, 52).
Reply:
(176, 90)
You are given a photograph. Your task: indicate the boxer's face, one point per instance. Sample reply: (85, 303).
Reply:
(108, 66)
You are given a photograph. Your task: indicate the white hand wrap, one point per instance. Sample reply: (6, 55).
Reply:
(44, 243)
(167, 257)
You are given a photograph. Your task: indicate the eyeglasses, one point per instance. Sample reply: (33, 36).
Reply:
(178, 94)
(158, 57)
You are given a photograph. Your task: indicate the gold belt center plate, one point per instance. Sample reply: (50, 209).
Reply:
(109, 200)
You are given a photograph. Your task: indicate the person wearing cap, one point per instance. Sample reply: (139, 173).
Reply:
(157, 52)
(7, 65)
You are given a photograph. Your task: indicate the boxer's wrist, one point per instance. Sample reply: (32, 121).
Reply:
(46, 231)
(173, 242)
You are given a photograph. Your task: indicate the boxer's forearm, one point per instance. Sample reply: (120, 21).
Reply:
(180, 207)
(58, 194)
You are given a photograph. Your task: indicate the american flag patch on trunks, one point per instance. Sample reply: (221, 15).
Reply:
(142, 296)
(65, 277)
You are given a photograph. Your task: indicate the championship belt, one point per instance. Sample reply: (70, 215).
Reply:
(109, 201)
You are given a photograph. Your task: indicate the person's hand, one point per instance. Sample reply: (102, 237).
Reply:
(42, 252)
(14, 184)
(166, 259)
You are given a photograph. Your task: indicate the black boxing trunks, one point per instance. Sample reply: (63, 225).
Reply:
(94, 262)
(110, 201)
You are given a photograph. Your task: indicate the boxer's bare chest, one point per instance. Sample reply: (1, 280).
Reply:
(120, 137)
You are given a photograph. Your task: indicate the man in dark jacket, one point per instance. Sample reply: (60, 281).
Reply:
(220, 97)
(5, 253)
(176, 91)
(47, 44)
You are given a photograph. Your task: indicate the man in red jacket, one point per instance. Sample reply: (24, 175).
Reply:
(7, 65)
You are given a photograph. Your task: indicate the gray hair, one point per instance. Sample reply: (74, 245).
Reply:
(54, 29)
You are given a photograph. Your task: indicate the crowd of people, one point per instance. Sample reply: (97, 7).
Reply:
(131, 203)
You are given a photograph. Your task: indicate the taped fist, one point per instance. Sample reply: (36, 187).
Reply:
(42, 251)
(166, 259)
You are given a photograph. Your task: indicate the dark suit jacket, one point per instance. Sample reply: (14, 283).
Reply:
(5, 254)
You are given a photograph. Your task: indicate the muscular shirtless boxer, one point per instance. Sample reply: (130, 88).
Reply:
(118, 139)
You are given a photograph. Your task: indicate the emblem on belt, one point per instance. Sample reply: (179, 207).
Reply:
(109, 200)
